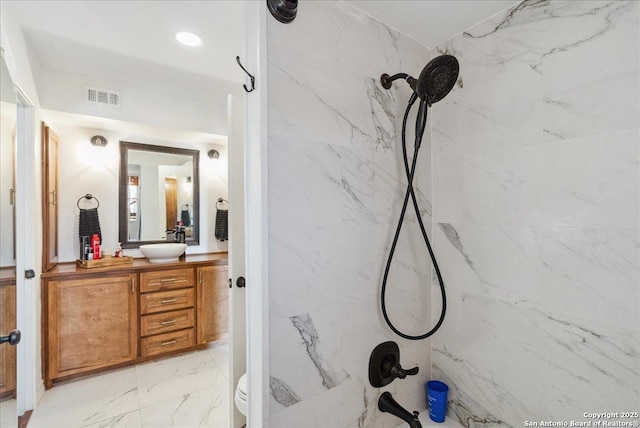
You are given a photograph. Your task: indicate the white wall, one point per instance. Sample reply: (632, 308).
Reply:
(88, 169)
(536, 202)
(158, 100)
(336, 184)
(17, 58)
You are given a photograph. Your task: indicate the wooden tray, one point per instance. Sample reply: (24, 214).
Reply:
(110, 261)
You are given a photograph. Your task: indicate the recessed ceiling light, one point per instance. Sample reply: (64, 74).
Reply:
(189, 39)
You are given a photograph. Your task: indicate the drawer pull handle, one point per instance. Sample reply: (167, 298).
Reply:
(166, 301)
(170, 342)
(168, 280)
(172, 322)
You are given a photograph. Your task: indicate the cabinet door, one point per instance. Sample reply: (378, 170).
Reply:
(7, 352)
(212, 303)
(49, 198)
(92, 324)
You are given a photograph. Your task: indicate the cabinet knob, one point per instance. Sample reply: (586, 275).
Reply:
(12, 339)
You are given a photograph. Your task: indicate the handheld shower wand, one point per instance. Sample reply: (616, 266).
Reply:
(436, 80)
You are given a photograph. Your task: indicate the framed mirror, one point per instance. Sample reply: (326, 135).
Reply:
(159, 189)
(8, 295)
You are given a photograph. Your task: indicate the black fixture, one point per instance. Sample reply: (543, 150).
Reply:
(284, 11)
(386, 403)
(247, 90)
(384, 365)
(12, 338)
(436, 80)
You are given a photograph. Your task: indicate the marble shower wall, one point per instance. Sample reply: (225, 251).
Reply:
(535, 218)
(336, 183)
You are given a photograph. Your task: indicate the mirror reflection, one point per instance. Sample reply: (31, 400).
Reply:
(158, 194)
(8, 378)
(7, 171)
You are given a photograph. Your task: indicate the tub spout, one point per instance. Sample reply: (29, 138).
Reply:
(386, 403)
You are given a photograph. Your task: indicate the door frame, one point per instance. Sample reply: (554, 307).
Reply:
(237, 295)
(27, 320)
(256, 215)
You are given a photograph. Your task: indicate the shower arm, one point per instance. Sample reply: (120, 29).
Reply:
(386, 80)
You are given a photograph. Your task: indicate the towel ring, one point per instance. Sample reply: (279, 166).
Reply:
(88, 196)
(220, 200)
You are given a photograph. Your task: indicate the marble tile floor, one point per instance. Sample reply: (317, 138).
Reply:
(8, 417)
(186, 391)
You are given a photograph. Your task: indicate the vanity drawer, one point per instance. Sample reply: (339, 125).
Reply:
(169, 321)
(166, 301)
(162, 343)
(166, 280)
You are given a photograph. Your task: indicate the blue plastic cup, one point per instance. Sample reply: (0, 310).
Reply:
(437, 400)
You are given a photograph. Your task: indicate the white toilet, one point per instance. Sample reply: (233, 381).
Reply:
(241, 394)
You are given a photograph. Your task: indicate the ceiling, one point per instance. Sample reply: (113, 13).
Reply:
(144, 30)
(140, 30)
(431, 22)
(134, 39)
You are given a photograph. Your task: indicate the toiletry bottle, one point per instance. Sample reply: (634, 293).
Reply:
(84, 243)
(181, 238)
(119, 250)
(95, 244)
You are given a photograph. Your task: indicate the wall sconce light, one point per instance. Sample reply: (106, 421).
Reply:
(213, 154)
(98, 141)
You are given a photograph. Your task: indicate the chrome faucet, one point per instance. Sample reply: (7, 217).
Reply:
(386, 403)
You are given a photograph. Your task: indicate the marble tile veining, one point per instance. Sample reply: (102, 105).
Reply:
(536, 192)
(185, 391)
(533, 186)
(336, 187)
(93, 399)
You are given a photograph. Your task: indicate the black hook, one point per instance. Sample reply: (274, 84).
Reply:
(253, 79)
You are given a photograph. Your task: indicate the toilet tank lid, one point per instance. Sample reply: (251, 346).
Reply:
(242, 384)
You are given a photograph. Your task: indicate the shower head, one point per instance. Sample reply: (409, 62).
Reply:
(436, 79)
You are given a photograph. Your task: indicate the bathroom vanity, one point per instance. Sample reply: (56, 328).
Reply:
(103, 318)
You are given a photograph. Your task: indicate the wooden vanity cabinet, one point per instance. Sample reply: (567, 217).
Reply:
(167, 302)
(7, 352)
(92, 323)
(213, 303)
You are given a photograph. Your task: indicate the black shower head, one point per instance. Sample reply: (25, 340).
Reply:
(436, 79)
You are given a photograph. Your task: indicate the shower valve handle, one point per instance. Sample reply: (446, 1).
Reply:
(393, 369)
(411, 372)
(384, 365)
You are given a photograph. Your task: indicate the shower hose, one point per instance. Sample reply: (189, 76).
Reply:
(410, 193)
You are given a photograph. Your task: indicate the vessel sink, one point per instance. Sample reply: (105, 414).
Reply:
(163, 253)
